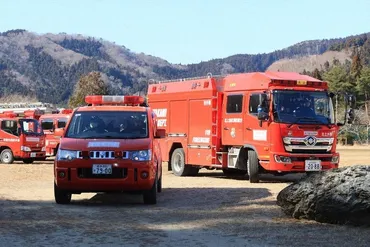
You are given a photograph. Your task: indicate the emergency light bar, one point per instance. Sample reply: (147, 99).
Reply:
(66, 111)
(8, 114)
(114, 100)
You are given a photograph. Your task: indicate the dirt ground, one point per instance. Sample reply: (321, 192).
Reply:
(207, 210)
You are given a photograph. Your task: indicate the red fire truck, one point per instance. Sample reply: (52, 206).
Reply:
(109, 145)
(49, 123)
(248, 123)
(21, 137)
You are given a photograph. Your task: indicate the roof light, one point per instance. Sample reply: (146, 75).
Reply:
(8, 114)
(66, 111)
(113, 100)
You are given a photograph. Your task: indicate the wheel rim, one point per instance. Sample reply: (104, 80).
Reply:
(177, 163)
(6, 157)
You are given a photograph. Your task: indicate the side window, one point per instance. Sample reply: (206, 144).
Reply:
(9, 126)
(47, 124)
(62, 123)
(254, 101)
(234, 104)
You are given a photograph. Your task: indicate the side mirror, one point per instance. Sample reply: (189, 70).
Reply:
(59, 132)
(160, 133)
(350, 116)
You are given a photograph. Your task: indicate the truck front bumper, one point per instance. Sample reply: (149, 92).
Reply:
(287, 162)
(123, 178)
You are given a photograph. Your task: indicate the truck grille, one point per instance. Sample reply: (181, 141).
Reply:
(308, 145)
(116, 173)
(102, 155)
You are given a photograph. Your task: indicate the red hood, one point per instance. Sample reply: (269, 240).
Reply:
(33, 141)
(105, 144)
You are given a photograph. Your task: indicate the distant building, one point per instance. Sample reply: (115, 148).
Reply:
(22, 106)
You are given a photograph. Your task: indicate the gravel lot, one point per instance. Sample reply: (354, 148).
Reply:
(207, 210)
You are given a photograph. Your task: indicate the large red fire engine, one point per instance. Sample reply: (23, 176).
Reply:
(109, 145)
(21, 137)
(248, 123)
(49, 123)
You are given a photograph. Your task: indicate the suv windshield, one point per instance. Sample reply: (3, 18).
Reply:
(30, 127)
(310, 107)
(108, 124)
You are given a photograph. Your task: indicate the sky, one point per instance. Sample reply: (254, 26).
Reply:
(191, 31)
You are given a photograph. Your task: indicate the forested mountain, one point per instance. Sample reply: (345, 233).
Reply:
(48, 66)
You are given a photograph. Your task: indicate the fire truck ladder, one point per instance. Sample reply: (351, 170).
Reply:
(209, 75)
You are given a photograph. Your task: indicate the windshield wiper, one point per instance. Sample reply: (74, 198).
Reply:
(304, 118)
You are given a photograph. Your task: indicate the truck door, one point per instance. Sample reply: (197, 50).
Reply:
(255, 136)
(232, 124)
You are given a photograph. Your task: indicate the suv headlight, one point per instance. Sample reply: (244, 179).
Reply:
(66, 154)
(141, 155)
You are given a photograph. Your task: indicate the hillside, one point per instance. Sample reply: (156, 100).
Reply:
(48, 66)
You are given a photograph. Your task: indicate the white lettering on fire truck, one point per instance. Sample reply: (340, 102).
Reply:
(11, 140)
(103, 144)
(259, 135)
(207, 102)
(233, 120)
(327, 134)
(161, 122)
(207, 132)
(161, 113)
(32, 139)
(201, 139)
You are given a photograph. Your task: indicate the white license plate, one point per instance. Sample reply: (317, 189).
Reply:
(33, 155)
(102, 169)
(313, 165)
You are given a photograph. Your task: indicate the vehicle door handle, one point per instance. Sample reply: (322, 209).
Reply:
(226, 128)
(248, 128)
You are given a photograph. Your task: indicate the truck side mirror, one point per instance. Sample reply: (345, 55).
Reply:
(350, 116)
(59, 132)
(160, 133)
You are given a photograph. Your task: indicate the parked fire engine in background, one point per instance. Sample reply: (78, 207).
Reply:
(49, 123)
(21, 137)
(248, 123)
(109, 145)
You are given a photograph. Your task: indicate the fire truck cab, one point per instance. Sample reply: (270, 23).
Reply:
(21, 137)
(247, 123)
(49, 123)
(110, 145)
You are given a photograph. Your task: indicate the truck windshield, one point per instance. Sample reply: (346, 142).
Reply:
(310, 107)
(30, 127)
(108, 125)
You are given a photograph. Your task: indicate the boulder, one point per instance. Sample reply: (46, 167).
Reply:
(337, 196)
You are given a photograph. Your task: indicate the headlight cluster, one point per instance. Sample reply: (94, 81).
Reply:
(26, 149)
(142, 155)
(66, 154)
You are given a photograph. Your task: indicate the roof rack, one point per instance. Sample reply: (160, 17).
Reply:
(209, 75)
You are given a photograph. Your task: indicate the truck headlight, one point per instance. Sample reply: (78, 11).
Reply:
(141, 155)
(282, 159)
(26, 149)
(66, 154)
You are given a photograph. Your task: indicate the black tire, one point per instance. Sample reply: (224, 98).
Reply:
(159, 188)
(253, 167)
(61, 196)
(231, 172)
(28, 161)
(193, 171)
(6, 156)
(150, 196)
(178, 163)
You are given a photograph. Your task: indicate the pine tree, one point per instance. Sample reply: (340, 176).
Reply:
(90, 84)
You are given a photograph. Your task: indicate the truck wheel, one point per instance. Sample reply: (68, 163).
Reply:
(61, 196)
(159, 189)
(150, 196)
(230, 172)
(253, 166)
(6, 156)
(28, 161)
(178, 163)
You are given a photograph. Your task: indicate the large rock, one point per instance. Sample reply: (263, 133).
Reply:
(338, 196)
